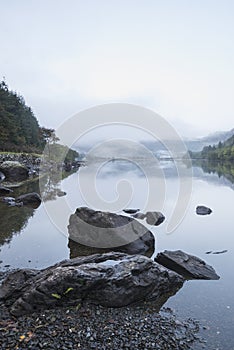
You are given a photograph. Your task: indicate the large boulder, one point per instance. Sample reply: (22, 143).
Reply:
(14, 171)
(189, 266)
(110, 280)
(203, 210)
(32, 199)
(110, 231)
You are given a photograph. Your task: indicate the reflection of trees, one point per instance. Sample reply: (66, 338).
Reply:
(225, 169)
(50, 184)
(15, 219)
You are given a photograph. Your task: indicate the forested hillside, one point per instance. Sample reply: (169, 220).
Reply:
(223, 151)
(19, 129)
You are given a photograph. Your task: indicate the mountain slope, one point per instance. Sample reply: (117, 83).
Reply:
(223, 151)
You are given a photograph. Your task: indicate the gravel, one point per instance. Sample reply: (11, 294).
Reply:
(89, 327)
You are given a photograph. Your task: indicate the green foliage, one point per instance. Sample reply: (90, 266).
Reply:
(56, 296)
(68, 290)
(60, 153)
(222, 152)
(19, 129)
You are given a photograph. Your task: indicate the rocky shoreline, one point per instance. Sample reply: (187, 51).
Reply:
(31, 161)
(94, 327)
(84, 325)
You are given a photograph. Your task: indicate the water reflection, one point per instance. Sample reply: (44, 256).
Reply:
(13, 218)
(77, 249)
(224, 170)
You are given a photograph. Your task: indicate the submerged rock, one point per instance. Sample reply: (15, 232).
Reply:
(30, 199)
(202, 210)
(111, 280)
(110, 231)
(189, 266)
(14, 171)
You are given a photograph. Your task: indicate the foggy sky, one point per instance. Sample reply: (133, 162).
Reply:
(175, 57)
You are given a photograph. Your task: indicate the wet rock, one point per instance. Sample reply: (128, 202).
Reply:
(29, 199)
(4, 190)
(110, 280)
(154, 218)
(202, 210)
(14, 171)
(189, 266)
(131, 211)
(110, 231)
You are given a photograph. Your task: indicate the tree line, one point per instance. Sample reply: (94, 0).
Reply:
(222, 152)
(20, 130)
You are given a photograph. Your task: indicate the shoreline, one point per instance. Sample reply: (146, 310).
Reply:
(88, 327)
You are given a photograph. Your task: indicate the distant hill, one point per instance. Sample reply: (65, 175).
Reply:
(197, 145)
(219, 136)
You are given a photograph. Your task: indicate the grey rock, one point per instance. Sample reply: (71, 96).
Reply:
(14, 171)
(154, 218)
(110, 280)
(203, 210)
(110, 231)
(29, 199)
(4, 190)
(189, 266)
(10, 201)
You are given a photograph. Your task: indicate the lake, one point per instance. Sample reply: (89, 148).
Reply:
(33, 238)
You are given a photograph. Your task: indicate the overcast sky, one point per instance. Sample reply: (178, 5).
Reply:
(173, 56)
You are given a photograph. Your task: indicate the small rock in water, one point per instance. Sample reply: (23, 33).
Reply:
(189, 266)
(217, 252)
(131, 211)
(203, 210)
(154, 218)
(220, 252)
(31, 199)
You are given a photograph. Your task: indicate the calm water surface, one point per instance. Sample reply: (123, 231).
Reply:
(29, 238)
